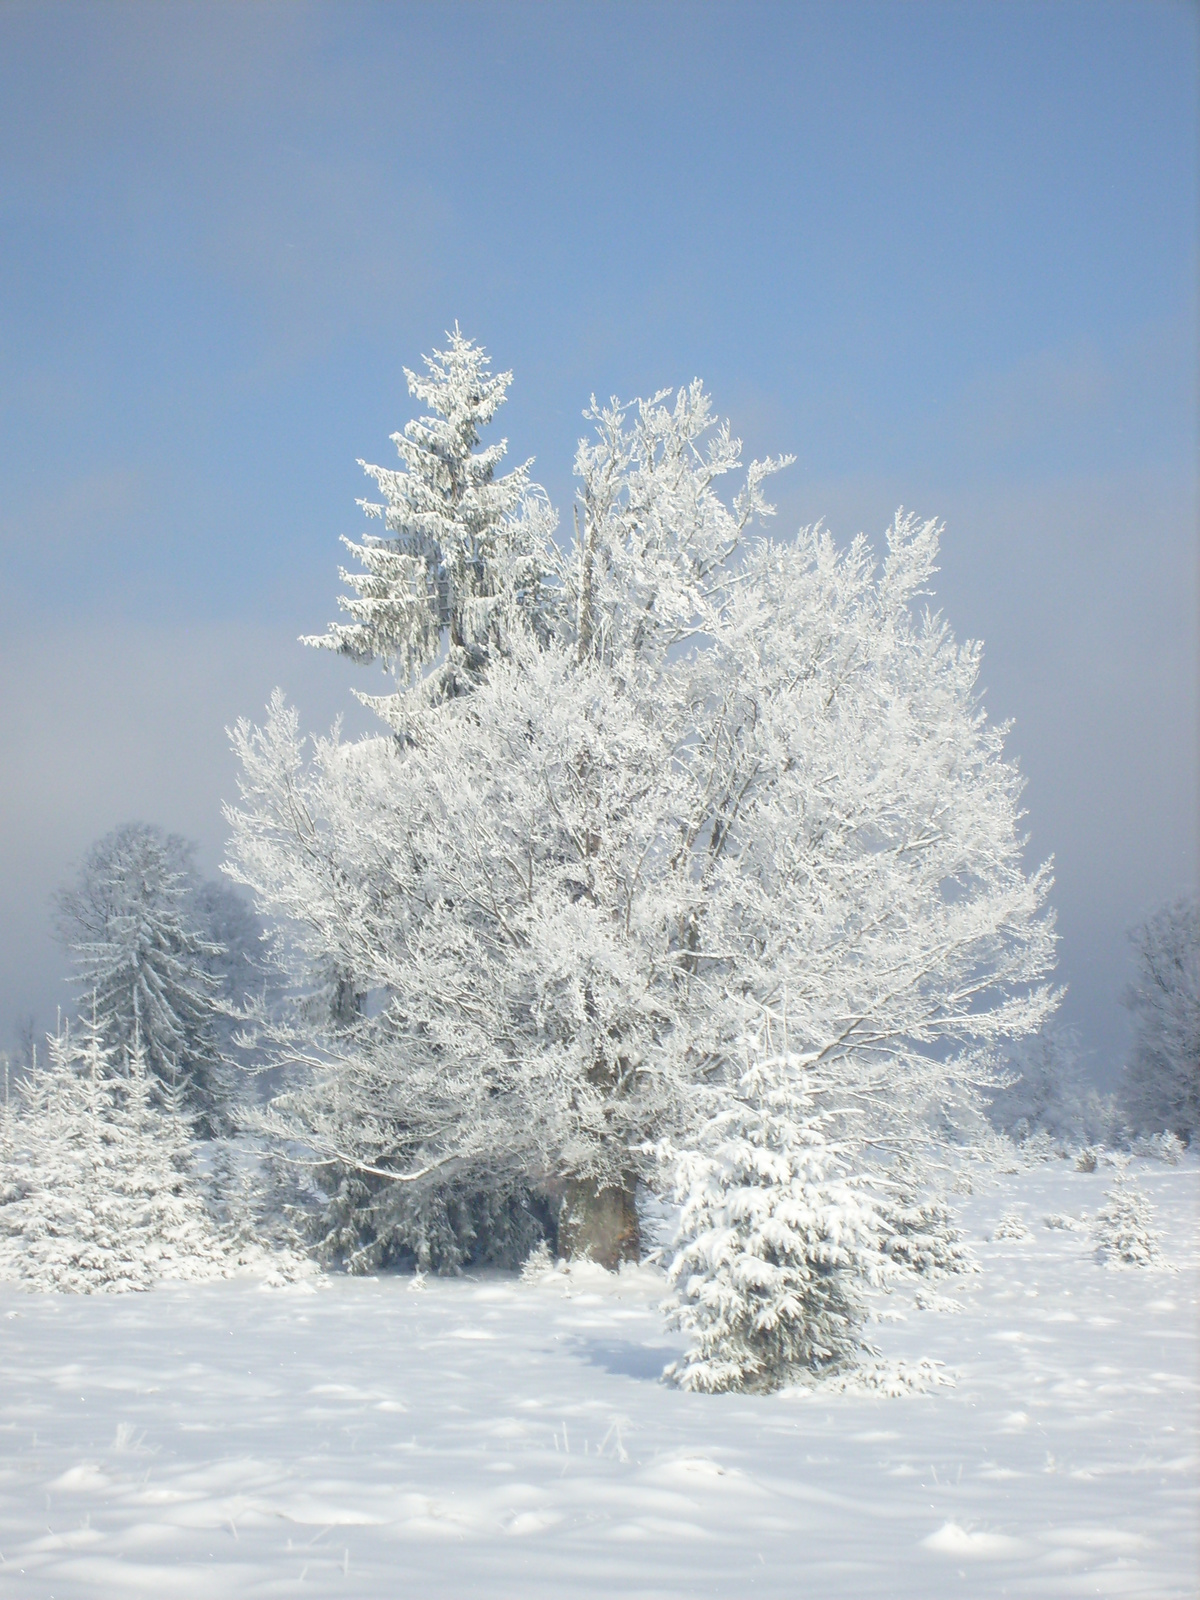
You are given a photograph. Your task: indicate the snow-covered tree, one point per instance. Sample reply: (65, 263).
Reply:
(1043, 1091)
(1124, 1227)
(708, 777)
(463, 548)
(1162, 1080)
(776, 1240)
(162, 956)
(96, 1191)
(919, 1233)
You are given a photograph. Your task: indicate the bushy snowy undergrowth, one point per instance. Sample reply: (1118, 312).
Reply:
(919, 1229)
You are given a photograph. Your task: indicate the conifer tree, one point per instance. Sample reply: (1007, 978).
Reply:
(461, 548)
(776, 1240)
(143, 962)
(1123, 1227)
(96, 1192)
(1162, 1080)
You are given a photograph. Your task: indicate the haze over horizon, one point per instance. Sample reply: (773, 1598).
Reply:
(947, 255)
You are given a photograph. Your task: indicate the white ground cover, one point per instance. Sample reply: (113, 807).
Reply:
(483, 1437)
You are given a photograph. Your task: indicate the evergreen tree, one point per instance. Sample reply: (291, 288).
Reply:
(1162, 1080)
(775, 1242)
(1124, 1228)
(144, 961)
(462, 547)
(96, 1191)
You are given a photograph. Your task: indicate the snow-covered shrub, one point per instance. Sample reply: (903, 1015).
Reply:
(775, 1241)
(1162, 1081)
(96, 1191)
(367, 1223)
(1011, 1226)
(1167, 1147)
(538, 1264)
(1124, 1227)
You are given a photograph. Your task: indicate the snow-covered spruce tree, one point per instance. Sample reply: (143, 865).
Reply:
(463, 568)
(703, 778)
(96, 1192)
(1162, 1080)
(1124, 1228)
(463, 548)
(776, 1239)
(144, 963)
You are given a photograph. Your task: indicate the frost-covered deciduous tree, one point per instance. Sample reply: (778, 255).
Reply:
(96, 1191)
(708, 778)
(161, 956)
(1162, 1080)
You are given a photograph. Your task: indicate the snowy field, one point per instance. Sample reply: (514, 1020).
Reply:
(485, 1437)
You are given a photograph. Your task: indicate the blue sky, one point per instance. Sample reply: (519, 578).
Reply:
(947, 254)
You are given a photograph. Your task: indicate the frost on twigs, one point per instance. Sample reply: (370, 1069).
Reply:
(775, 1241)
(1124, 1232)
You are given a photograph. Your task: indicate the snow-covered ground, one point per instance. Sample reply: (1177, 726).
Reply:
(482, 1437)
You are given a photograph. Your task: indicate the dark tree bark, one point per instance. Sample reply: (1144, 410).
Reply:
(599, 1224)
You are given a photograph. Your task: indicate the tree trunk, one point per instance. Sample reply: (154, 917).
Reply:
(599, 1225)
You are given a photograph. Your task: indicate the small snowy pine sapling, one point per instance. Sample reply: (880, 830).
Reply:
(775, 1241)
(1011, 1226)
(1124, 1228)
(918, 1227)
